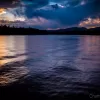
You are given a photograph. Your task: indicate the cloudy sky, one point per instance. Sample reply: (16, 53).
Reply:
(50, 14)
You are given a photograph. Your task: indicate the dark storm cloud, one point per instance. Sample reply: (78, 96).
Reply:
(9, 3)
(77, 11)
(96, 4)
(70, 15)
(7, 0)
(31, 5)
(35, 3)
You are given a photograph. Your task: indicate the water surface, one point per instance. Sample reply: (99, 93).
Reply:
(50, 65)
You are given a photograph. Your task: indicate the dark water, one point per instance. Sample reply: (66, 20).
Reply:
(50, 66)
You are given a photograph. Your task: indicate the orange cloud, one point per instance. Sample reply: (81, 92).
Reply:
(5, 15)
(2, 11)
(90, 23)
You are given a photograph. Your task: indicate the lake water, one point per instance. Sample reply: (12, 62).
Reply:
(50, 66)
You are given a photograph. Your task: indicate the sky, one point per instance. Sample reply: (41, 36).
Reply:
(50, 14)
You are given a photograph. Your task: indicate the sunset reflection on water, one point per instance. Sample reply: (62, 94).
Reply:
(64, 63)
(3, 51)
(10, 48)
(10, 54)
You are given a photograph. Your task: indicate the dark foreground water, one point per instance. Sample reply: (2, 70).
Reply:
(49, 67)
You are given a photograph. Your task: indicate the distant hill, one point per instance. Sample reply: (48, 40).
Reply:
(77, 30)
(73, 30)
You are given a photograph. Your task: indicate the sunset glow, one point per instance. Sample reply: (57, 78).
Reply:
(7, 16)
(54, 13)
(2, 11)
(90, 23)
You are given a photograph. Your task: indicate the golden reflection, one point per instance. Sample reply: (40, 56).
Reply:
(89, 56)
(2, 49)
(13, 75)
(9, 47)
(90, 44)
(3, 80)
(12, 49)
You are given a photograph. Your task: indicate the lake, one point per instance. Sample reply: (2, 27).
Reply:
(50, 66)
